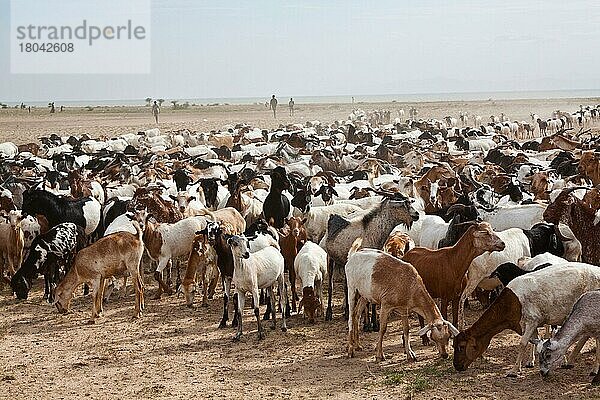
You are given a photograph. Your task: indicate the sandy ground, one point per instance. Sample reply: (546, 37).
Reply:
(177, 352)
(19, 126)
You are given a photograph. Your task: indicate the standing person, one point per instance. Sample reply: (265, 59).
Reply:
(155, 111)
(273, 105)
(291, 104)
(52, 109)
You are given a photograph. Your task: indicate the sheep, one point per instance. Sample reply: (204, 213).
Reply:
(529, 301)
(310, 266)
(377, 277)
(443, 270)
(254, 271)
(112, 255)
(582, 323)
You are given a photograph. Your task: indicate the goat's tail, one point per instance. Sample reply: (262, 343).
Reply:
(356, 245)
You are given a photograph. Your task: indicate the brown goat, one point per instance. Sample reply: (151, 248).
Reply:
(589, 166)
(112, 255)
(398, 244)
(291, 239)
(443, 270)
(580, 218)
(201, 259)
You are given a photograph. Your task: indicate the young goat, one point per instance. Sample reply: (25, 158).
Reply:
(112, 255)
(376, 277)
(311, 266)
(254, 271)
(582, 323)
(203, 262)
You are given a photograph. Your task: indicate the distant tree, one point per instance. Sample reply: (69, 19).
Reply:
(160, 101)
(148, 100)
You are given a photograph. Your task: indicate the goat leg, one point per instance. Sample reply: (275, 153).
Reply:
(226, 292)
(267, 315)
(329, 312)
(374, 323)
(238, 310)
(241, 300)
(424, 338)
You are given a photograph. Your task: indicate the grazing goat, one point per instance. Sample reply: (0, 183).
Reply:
(373, 227)
(51, 254)
(376, 277)
(582, 323)
(310, 265)
(254, 271)
(529, 301)
(114, 255)
(443, 270)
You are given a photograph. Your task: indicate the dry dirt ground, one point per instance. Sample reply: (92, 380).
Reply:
(177, 352)
(19, 126)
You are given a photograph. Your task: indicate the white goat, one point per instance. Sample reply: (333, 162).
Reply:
(310, 265)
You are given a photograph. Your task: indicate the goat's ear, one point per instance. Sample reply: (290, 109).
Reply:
(334, 192)
(172, 197)
(191, 198)
(424, 330)
(453, 330)
(304, 221)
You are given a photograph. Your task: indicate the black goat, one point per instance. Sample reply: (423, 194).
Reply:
(277, 206)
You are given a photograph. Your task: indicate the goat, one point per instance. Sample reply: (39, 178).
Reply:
(254, 271)
(374, 227)
(529, 301)
(377, 277)
(202, 261)
(310, 265)
(112, 255)
(582, 323)
(443, 270)
(398, 244)
(12, 243)
(51, 254)
(277, 205)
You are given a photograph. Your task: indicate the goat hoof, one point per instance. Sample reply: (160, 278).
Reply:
(380, 358)
(157, 296)
(237, 337)
(91, 321)
(529, 364)
(266, 317)
(567, 366)
(223, 324)
(425, 341)
(411, 357)
(284, 329)
(328, 315)
(375, 327)
(511, 374)
(234, 324)
(366, 327)
(261, 335)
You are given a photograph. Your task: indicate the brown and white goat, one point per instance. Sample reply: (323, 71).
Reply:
(291, 239)
(113, 255)
(398, 244)
(11, 245)
(376, 277)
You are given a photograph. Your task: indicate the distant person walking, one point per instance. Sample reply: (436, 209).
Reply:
(291, 105)
(155, 111)
(273, 106)
(52, 109)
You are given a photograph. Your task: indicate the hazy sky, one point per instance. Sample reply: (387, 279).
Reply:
(254, 48)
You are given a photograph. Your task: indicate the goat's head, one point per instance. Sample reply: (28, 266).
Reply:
(239, 246)
(467, 349)
(402, 209)
(485, 239)
(20, 286)
(440, 332)
(549, 355)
